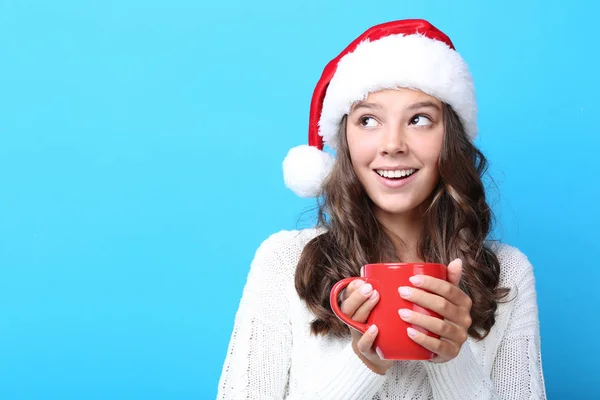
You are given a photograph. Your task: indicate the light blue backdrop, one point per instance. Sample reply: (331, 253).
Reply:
(140, 153)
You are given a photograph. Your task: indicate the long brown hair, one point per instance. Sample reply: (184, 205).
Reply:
(457, 222)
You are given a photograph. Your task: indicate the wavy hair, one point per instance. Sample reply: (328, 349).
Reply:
(457, 221)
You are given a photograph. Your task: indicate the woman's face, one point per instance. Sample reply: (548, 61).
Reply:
(395, 138)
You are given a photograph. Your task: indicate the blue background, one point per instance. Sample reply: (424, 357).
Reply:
(140, 168)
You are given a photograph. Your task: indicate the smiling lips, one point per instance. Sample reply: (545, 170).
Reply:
(395, 174)
(396, 178)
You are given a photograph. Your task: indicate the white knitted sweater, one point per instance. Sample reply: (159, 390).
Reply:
(272, 354)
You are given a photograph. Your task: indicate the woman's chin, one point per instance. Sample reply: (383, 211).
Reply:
(395, 207)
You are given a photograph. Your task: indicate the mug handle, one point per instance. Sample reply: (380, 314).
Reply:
(333, 301)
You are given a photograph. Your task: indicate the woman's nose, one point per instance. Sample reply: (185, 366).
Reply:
(393, 141)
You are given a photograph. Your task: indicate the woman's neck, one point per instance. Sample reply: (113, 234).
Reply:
(405, 231)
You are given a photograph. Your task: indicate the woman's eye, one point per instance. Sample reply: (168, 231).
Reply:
(420, 120)
(368, 122)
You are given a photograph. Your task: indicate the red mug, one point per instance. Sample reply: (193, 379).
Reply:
(392, 341)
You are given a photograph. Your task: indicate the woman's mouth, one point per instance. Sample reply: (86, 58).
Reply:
(396, 174)
(396, 178)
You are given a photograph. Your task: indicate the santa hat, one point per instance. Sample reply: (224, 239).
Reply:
(400, 54)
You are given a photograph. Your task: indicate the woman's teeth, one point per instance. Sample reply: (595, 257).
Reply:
(401, 173)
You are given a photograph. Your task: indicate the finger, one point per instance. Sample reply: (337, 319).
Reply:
(444, 289)
(434, 325)
(455, 271)
(365, 343)
(445, 350)
(432, 302)
(351, 288)
(356, 299)
(365, 309)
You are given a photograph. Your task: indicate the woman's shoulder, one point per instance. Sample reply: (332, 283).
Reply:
(514, 264)
(281, 251)
(287, 242)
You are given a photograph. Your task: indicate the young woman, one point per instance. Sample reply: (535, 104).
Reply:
(398, 106)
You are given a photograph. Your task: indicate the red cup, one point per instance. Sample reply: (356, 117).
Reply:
(392, 341)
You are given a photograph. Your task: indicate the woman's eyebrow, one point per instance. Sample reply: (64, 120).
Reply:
(414, 106)
(424, 104)
(371, 106)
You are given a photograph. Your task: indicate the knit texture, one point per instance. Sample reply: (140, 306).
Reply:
(273, 355)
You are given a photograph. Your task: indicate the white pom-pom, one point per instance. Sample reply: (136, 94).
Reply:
(305, 169)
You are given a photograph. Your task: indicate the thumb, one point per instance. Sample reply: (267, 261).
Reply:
(455, 271)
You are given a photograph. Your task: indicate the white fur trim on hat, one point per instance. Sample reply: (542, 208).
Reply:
(305, 168)
(398, 61)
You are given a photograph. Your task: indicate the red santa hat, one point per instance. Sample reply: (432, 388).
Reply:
(400, 54)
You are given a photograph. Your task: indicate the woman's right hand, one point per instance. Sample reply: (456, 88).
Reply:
(359, 298)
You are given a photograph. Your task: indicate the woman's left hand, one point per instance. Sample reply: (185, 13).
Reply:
(445, 299)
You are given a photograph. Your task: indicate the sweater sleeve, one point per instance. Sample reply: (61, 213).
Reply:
(258, 357)
(516, 371)
(462, 378)
(346, 377)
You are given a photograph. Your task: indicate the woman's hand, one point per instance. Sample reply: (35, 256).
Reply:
(446, 299)
(359, 300)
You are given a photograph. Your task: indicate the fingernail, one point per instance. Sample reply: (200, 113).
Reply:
(411, 332)
(366, 289)
(405, 291)
(372, 329)
(405, 313)
(416, 280)
(358, 283)
(373, 295)
(457, 260)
